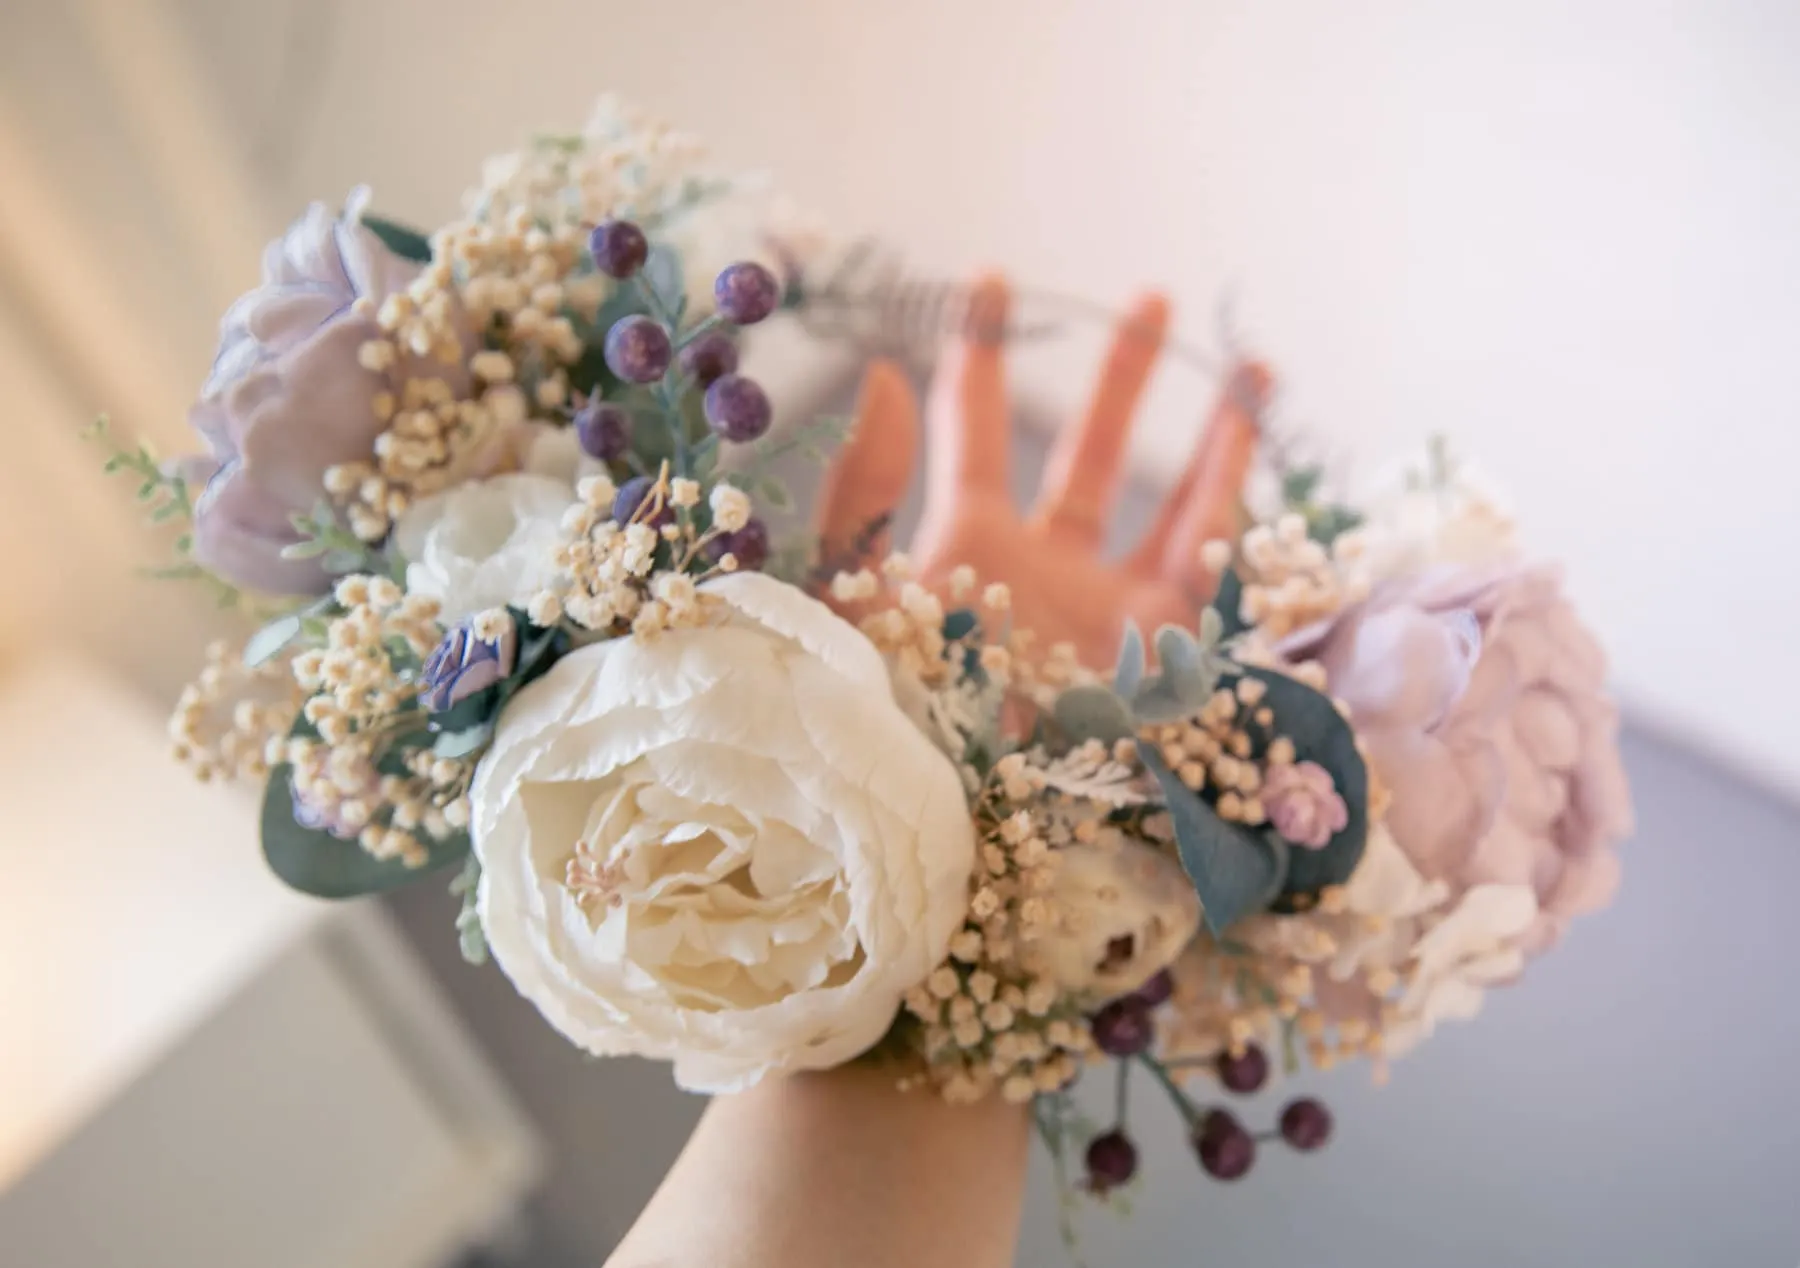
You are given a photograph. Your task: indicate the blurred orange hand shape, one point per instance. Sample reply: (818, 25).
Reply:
(1062, 587)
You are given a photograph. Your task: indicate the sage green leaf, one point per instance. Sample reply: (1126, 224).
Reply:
(320, 864)
(1128, 672)
(403, 240)
(662, 274)
(1228, 604)
(1235, 872)
(1093, 712)
(703, 458)
(1157, 701)
(1184, 666)
(271, 638)
(1320, 734)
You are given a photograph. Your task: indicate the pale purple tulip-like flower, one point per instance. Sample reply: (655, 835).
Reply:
(287, 397)
(465, 663)
(1480, 698)
(1303, 804)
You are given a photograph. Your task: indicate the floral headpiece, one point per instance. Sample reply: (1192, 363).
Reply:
(755, 808)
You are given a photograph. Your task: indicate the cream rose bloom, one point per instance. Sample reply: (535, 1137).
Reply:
(725, 846)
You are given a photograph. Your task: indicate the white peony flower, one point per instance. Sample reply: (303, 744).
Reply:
(486, 544)
(1123, 913)
(724, 846)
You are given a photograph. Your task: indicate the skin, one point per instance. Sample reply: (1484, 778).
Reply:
(822, 1170)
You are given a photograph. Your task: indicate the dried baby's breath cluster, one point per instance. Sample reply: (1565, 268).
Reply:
(907, 624)
(1290, 580)
(640, 576)
(350, 780)
(484, 337)
(988, 1017)
(1228, 995)
(1227, 747)
(225, 719)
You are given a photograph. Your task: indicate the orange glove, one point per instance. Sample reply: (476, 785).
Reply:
(1062, 587)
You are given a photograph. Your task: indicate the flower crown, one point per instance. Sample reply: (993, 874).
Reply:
(755, 808)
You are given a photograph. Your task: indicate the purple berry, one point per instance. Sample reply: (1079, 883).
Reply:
(749, 546)
(632, 495)
(1305, 1124)
(710, 357)
(1245, 1073)
(737, 408)
(619, 248)
(638, 349)
(1111, 1161)
(604, 430)
(1226, 1150)
(1155, 993)
(1123, 1028)
(746, 292)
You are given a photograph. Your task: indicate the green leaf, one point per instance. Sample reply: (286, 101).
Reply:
(1299, 485)
(703, 458)
(1327, 524)
(960, 623)
(1235, 871)
(662, 274)
(319, 864)
(1184, 666)
(774, 493)
(454, 744)
(1228, 603)
(403, 240)
(1093, 712)
(271, 638)
(470, 937)
(1128, 672)
(1320, 734)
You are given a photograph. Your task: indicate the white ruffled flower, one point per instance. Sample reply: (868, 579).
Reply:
(730, 507)
(486, 544)
(1419, 518)
(1472, 947)
(1124, 914)
(725, 846)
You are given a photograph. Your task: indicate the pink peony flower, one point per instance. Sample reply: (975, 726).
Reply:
(287, 398)
(1479, 696)
(1303, 804)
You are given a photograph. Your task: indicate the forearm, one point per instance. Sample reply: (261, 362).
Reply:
(824, 1170)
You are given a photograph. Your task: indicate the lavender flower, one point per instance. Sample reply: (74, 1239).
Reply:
(465, 663)
(287, 397)
(1303, 804)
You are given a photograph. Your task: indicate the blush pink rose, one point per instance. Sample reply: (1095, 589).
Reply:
(1303, 804)
(1479, 695)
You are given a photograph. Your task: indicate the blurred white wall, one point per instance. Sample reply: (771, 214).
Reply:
(1561, 233)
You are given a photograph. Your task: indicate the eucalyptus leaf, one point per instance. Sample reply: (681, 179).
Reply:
(1184, 666)
(1299, 485)
(1320, 734)
(775, 494)
(1158, 701)
(1093, 712)
(1128, 672)
(1235, 871)
(454, 744)
(271, 638)
(1228, 603)
(403, 240)
(320, 864)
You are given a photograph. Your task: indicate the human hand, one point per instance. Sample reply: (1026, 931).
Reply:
(1063, 588)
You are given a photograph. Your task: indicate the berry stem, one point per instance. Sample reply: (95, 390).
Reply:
(1120, 1094)
(1183, 1102)
(711, 321)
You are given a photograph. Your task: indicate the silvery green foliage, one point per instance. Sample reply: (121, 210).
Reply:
(470, 938)
(1191, 667)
